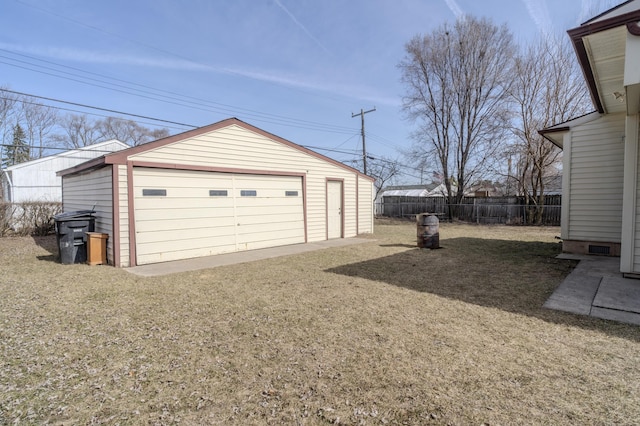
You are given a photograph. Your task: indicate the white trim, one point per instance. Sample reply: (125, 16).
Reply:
(566, 185)
(629, 198)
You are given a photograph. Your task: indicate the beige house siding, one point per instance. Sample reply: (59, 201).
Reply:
(237, 148)
(92, 191)
(596, 180)
(365, 203)
(123, 210)
(636, 225)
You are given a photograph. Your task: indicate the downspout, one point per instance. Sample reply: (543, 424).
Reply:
(10, 185)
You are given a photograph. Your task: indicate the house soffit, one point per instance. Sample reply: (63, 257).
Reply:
(606, 53)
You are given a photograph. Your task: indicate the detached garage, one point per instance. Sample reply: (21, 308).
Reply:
(218, 189)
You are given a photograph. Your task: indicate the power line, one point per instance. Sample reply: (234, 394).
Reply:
(186, 101)
(24, 101)
(98, 108)
(328, 149)
(59, 108)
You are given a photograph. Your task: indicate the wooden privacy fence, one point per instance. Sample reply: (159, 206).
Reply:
(508, 210)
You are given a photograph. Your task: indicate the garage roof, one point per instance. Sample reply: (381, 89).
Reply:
(121, 157)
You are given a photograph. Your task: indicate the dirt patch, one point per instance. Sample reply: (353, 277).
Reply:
(377, 333)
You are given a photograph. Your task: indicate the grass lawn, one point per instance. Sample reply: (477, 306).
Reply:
(377, 333)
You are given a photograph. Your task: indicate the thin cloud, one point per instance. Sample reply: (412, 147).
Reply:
(90, 56)
(539, 14)
(586, 7)
(349, 91)
(276, 77)
(455, 9)
(299, 24)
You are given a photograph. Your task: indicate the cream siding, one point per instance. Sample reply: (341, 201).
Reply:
(92, 191)
(186, 221)
(123, 211)
(365, 205)
(633, 126)
(238, 148)
(596, 180)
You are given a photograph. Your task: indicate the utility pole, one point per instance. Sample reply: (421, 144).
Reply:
(364, 148)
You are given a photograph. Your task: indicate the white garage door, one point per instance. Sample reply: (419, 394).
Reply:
(180, 214)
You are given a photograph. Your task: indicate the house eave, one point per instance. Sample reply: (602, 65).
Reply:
(96, 163)
(546, 133)
(577, 35)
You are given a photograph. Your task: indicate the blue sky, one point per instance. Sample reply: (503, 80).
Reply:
(296, 68)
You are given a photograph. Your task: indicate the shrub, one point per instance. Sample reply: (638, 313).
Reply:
(28, 218)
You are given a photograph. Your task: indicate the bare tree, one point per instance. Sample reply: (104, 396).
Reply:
(38, 121)
(548, 90)
(457, 83)
(7, 116)
(77, 131)
(128, 131)
(382, 169)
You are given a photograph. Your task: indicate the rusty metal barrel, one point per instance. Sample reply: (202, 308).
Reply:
(428, 230)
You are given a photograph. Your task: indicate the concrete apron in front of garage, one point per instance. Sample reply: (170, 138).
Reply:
(597, 288)
(206, 262)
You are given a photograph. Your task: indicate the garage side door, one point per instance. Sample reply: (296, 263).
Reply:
(184, 214)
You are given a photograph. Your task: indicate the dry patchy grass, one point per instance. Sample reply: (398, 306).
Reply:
(378, 333)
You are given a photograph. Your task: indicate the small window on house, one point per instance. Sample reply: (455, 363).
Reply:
(248, 193)
(154, 192)
(291, 193)
(218, 193)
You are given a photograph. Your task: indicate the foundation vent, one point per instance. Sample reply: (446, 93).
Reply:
(599, 249)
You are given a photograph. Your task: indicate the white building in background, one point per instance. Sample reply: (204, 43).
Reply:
(36, 180)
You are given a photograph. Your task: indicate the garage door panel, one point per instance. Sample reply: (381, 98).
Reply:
(255, 228)
(178, 235)
(177, 192)
(268, 208)
(215, 213)
(272, 220)
(189, 222)
(212, 226)
(267, 239)
(208, 249)
(149, 203)
(182, 253)
(268, 202)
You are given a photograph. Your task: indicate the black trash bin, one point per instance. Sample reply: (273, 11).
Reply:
(71, 234)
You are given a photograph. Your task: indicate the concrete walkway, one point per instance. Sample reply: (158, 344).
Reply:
(206, 262)
(597, 288)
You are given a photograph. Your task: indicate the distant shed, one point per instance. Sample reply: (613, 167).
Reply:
(36, 180)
